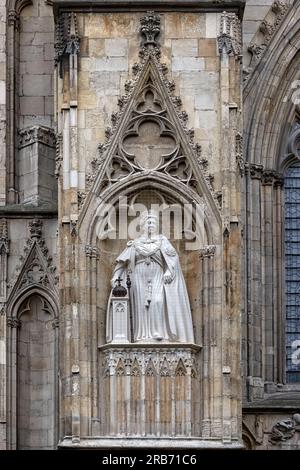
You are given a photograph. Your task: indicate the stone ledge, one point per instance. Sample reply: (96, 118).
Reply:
(146, 443)
(173, 5)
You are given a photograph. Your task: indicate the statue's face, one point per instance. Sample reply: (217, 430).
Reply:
(150, 225)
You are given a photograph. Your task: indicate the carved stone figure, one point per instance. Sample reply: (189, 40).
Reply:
(160, 307)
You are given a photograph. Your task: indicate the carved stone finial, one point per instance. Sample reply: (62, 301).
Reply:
(230, 39)
(150, 29)
(4, 236)
(267, 29)
(35, 228)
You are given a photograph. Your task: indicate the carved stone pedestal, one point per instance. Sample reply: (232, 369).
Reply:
(150, 390)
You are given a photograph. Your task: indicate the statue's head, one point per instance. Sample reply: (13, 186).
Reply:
(149, 222)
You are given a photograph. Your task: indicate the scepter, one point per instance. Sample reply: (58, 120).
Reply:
(128, 285)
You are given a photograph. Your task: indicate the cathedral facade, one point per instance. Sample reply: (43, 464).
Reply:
(188, 336)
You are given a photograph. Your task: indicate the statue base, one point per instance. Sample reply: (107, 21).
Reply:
(150, 390)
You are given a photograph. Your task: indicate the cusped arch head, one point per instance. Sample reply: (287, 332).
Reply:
(179, 193)
(15, 303)
(268, 96)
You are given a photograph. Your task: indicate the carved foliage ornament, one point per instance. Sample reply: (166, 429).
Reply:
(34, 134)
(150, 363)
(285, 429)
(36, 267)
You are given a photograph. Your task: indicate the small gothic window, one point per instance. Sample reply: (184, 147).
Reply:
(292, 274)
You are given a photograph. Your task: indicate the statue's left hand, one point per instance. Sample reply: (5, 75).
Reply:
(168, 277)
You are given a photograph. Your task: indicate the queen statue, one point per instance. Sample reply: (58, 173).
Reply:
(159, 303)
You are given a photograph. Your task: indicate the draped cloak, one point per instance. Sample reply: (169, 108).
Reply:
(163, 309)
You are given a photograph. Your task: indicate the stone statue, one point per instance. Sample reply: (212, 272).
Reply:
(159, 303)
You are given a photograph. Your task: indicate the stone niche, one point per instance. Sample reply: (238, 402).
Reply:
(36, 165)
(150, 391)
